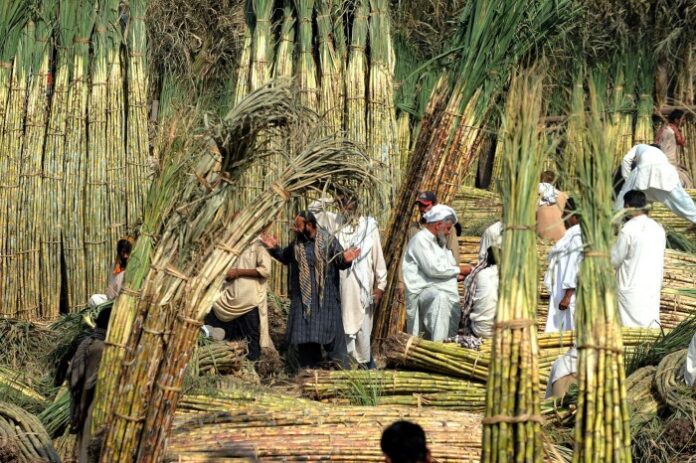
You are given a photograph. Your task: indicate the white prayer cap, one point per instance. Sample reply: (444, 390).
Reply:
(438, 213)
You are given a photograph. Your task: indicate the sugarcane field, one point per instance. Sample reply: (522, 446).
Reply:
(409, 231)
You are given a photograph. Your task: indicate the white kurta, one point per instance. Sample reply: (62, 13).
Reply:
(638, 257)
(492, 236)
(566, 364)
(485, 302)
(690, 368)
(430, 277)
(564, 265)
(647, 169)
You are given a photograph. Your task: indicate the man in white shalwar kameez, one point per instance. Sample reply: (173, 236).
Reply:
(638, 257)
(561, 278)
(646, 168)
(430, 274)
(363, 284)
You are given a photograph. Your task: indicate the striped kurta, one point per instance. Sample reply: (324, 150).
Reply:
(323, 324)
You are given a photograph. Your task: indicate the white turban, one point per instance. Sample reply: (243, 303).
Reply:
(438, 213)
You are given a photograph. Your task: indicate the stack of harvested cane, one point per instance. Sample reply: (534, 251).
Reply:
(24, 431)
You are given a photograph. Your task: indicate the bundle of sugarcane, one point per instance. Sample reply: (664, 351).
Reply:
(27, 432)
(332, 99)
(650, 353)
(65, 447)
(381, 114)
(356, 72)
(195, 236)
(306, 68)
(322, 384)
(676, 305)
(53, 200)
(11, 144)
(115, 156)
(513, 423)
(644, 131)
(31, 211)
(56, 416)
(671, 220)
(97, 233)
(602, 430)
(640, 395)
(670, 386)
(12, 385)
(76, 158)
(325, 432)
(162, 197)
(220, 357)
(137, 150)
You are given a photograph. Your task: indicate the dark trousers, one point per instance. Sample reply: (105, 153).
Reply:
(310, 354)
(246, 327)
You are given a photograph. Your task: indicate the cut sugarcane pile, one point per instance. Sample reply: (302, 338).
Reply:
(403, 350)
(221, 357)
(24, 431)
(295, 430)
(11, 384)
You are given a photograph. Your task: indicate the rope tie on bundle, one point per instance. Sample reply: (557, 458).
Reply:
(525, 418)
(515, 324)
(189, 321)
(152, 332)
(6, 64)
(167, 388)
(599, 254)
(81, 40)
(408, 345)
(116, 344)
(132, 419)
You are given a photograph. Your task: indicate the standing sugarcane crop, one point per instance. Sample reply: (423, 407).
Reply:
(512, 426)
(602, 428)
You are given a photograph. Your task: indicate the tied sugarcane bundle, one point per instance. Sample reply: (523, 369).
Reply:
(306, 68)
(31, 208)
(512, 425)
(203, 242)
(356, 72)
(220, 357)
(602, 428)
(12, 385)
(161, 200)
(644, 131)
(56, 417)
(27, 433)
(332, 98)
(670, 386)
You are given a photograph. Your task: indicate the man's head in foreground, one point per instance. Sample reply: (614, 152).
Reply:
(404, 442)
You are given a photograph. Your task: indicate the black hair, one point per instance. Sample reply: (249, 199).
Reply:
(570, 205)
(675, 115)
(404, 442)
(655, 145)
(123, 246)
(548, 176)
(635, 199)
(308, 217)
(490, 256)
(102, 320)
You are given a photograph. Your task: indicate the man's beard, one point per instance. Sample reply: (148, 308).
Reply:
(441, 239)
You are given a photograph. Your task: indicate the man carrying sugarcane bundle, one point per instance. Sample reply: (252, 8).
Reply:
(315, 319)
(671, 142)
(638, 257)
(241, 310)
(430, 274)
(646, 168)
(561, 278)
(363, 284)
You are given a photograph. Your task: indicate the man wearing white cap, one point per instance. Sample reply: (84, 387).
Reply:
(430, 274)
(646, 168)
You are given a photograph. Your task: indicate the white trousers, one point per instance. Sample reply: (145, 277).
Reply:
(432, 313)
(358, 344)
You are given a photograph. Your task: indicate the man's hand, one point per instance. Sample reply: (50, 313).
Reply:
(232, 274)
(349, 255)
(565, 302)
(377, 296)
(465, 269)
(269, 241)
(461, 277)
(400, 294)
